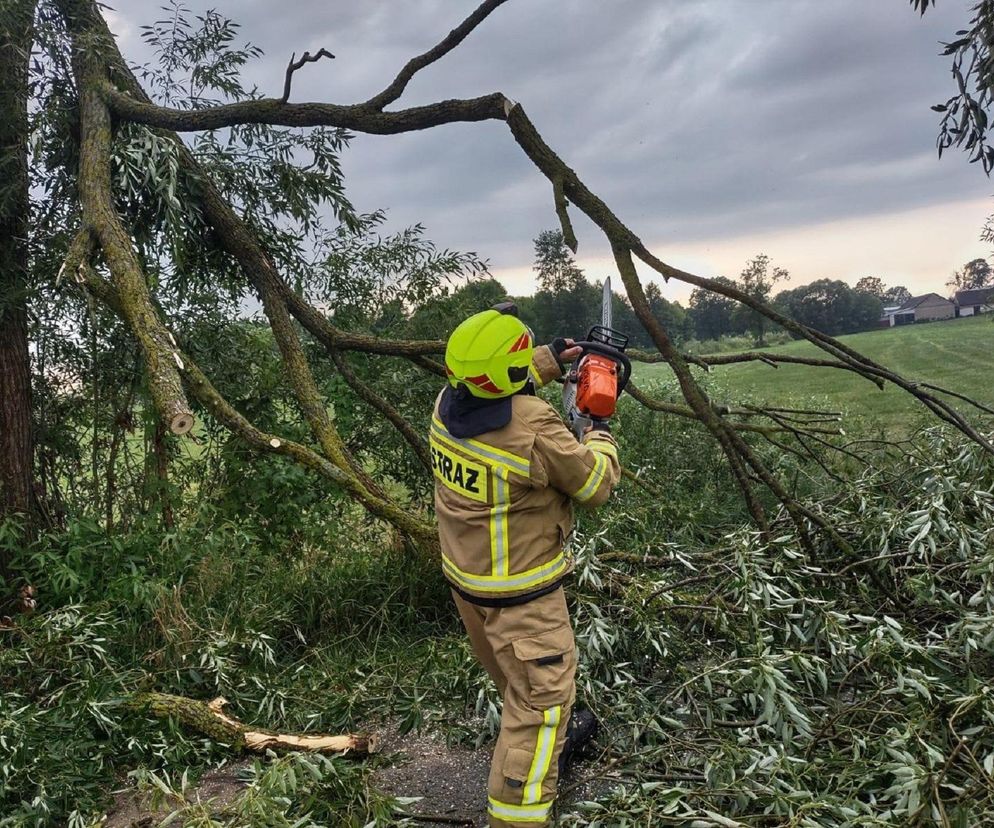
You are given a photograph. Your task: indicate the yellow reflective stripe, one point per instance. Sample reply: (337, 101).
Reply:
(506, 583)
(506, 812)
(594, 479)
(499, 552)
(489, 454)
(604, 447)
(544, 745)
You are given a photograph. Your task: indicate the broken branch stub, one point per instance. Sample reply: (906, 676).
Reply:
(210, 719)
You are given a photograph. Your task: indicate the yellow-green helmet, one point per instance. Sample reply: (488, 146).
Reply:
(490, 354)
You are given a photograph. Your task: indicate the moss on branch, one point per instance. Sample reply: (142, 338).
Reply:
(159, 352)
(210, 719)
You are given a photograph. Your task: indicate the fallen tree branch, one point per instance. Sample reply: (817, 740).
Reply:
(274, 112)
(210, 719)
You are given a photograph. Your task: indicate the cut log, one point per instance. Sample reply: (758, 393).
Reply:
(210, 719)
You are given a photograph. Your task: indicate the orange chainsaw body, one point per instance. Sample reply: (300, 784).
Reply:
(597, 386)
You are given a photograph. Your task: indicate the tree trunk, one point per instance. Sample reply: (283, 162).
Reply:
(160, 484)
(16, 439)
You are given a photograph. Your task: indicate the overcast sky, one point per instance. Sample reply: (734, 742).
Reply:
(717, 129)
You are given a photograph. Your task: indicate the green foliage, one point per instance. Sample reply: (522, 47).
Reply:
(374, 281)
(295, 791)
(325, 638)
(746, 685)
(565, 303)
(831, 306)
(965, 121)
(974, 274)
(872, 285)
(711, 314)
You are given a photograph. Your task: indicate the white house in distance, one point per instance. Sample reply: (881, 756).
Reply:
(972, 302)
(932, 307)
(925, 308)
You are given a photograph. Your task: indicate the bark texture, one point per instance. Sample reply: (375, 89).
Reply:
(161, 358)
(16, 439)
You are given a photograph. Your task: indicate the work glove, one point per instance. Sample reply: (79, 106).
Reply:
(564, 350)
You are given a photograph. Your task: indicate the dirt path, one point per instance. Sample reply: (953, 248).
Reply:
(451, 782)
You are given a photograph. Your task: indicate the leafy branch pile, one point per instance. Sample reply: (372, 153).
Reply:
(749, 685)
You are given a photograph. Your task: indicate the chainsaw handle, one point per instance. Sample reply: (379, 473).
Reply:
(619, 357)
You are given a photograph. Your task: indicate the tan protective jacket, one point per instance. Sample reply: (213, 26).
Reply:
(503, 498)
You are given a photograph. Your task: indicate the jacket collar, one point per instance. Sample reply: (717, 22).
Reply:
(464, 415)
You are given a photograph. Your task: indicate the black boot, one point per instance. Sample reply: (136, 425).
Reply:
(580, 731)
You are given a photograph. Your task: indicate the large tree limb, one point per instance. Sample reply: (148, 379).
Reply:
(496, 106)
(159, 352)
(272, 111)
(210, 719)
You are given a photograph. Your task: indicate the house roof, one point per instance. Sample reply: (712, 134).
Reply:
(976, 296)
(915, 301)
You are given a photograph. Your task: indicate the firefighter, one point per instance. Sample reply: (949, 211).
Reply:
(507, 471)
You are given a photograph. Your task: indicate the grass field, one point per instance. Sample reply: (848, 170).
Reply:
(955, 354)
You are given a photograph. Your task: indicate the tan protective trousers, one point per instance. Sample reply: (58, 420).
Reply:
(529, 652)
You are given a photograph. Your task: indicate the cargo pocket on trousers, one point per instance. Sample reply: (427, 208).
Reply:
(517, 764)
(549, 662)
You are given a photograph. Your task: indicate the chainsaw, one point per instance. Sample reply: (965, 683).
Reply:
(599, 374)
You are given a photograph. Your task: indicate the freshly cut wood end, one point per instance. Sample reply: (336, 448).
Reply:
(348, 743)
(275, 442)
(181, 423)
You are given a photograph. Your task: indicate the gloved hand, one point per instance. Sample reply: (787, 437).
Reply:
(564, 350)
(598, 425)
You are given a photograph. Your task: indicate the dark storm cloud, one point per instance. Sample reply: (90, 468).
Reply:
(712, 118)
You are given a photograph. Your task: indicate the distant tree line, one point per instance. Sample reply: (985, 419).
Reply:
(566, 303)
